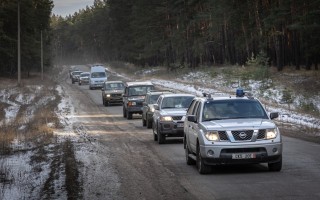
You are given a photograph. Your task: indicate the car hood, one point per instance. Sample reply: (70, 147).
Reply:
(171, 112)
(250, 123)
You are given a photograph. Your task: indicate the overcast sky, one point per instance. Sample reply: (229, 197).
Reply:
(66, 7)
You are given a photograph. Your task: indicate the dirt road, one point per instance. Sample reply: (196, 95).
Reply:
(125, 163)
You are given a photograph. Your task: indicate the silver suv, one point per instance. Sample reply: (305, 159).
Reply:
(231, 130)
(148, 106)
(169, 114)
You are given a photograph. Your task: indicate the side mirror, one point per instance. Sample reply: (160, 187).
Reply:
(274, 115)
(156, 106)
(144, 104)
(192, 118)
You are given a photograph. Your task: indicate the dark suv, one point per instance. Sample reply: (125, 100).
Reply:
(134, 95)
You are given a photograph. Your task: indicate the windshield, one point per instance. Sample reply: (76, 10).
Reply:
(76, 73)
(176, 102)
(98, 74)
(233, 109)
(84, 75)
(153, 98)
(114, 86)
(140, 90)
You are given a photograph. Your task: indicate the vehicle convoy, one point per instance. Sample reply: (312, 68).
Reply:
(133, 97)
(148, 107)
(75, 76)
(84, 78)
(169, 114)
(98, 76)
(112, 92)
(231, 130)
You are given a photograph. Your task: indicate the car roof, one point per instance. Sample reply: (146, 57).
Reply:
(113, 81)
(177, 95)
(138, 83)
(85, 73)
(158, 92)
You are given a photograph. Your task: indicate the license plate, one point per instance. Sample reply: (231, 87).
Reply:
(180, 125)
(243, 155)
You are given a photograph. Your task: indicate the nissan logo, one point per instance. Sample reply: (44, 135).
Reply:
(242, 135)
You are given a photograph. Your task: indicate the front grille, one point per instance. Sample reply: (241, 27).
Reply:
(223, 136)
(242, 135)
(261, 134)
(116, 95)
(176, 117)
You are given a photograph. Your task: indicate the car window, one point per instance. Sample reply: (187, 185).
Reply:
(176, 102)
(114, 86)
(191, 107)
(98, 75)
(153, 98)
(140, 90)
(233, 109)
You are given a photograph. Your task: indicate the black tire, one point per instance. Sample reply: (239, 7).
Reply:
(275, 167)
(144, 123)
(155, 136)
(124, 112)
(72, 82)
(129, 115)
(79, 83)
(202, 168)
(189, 160)
(106, 103)
(161, 137)
(148, 123)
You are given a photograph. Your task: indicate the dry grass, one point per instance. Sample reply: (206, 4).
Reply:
(35, 121)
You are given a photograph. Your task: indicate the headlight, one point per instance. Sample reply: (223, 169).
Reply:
(108, 95)
(212, 136)
(166, 118)
(151, 109)
(130, 103)
(271, 133)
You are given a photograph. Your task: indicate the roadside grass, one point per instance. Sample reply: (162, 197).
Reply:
(31, 132)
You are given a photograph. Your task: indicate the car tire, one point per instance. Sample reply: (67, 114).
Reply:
(106, 103)
(148, 123)
(155, 136)
(189, 160)
(124, 112)
(79, 83)
(161, 137)
(144, 122)
(202, 168)
(72, 82)
(275, 167)
(129, 115)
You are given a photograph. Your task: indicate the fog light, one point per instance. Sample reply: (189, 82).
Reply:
(210, 153)
(274, 150)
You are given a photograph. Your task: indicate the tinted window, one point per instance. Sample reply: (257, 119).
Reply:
(233, 109)
(176, 102)
(153, 98)
(140, 90)
(114, 86)
(98, 75)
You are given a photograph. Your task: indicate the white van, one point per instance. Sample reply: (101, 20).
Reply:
(98, 76)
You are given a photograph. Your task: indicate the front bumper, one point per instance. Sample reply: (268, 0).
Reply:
(223, 153)
(112, 99)
(172, 129)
